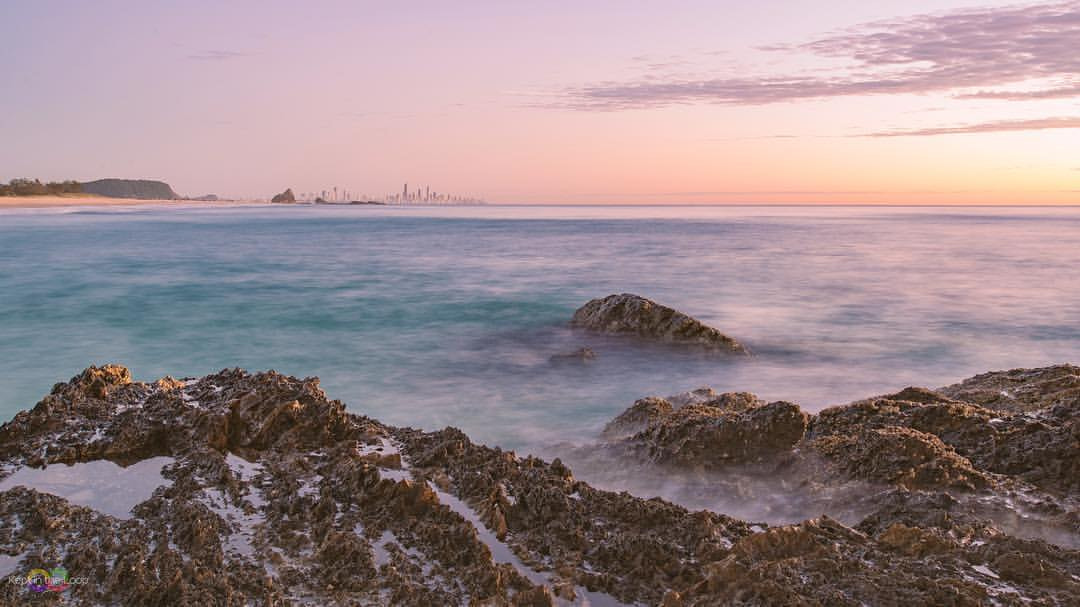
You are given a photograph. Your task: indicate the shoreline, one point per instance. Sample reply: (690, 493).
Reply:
(57, 202)
(89, 200)
(264, 472)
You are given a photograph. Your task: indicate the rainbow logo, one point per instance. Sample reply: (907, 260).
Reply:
(40, 580)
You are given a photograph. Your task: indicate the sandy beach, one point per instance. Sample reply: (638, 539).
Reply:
(47, 202)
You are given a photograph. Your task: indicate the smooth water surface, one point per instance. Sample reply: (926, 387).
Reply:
(99, 484)
(448, 316)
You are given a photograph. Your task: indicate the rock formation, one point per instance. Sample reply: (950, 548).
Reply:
(277, 495)
(634, 315)
(142, 189)
(915, 438)
(731, 429)
(1020, 389)
(285, 197)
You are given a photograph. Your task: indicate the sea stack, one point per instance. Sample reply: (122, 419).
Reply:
(286, 197)
(626, 313)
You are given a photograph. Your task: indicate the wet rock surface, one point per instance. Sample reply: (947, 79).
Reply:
(1020, 389)
(276, 495)
(733, 428)
(1037, 445)
(921, 473)
(630, 314)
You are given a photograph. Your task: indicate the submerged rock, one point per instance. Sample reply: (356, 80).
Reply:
(709, 430)
(635, 315)
(583, 354)
(712, 437)
(642, 414)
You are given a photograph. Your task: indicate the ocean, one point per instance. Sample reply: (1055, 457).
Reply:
(433, 317)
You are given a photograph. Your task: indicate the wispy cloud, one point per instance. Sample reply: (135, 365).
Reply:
(216, 55)
(1037, 124)
(989, 47)
(1063, 92)
(777, 192)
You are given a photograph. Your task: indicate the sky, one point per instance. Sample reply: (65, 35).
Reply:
(675, 102)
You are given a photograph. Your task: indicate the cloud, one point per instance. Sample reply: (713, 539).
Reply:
(928, 53)
(778, 192)
(1037, 124)
(1063, 92)
(216, 55)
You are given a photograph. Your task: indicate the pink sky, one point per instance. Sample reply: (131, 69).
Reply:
(835, 101)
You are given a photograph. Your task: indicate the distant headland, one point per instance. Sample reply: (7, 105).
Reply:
(140, 189)
(24, 192)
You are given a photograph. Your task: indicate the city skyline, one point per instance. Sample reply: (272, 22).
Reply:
(425, 195)
(689, 102)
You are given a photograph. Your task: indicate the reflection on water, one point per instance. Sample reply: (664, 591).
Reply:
(100, 484)
(434, 317)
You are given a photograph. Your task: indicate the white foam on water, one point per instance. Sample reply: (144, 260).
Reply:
(100, 484)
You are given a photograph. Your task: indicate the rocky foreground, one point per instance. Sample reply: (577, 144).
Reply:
(275, 495)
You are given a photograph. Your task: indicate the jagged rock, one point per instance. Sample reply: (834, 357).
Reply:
(707, 436)
(734, 401)
(276, 494)
(632, 314)
(642, 414)
(728, 401)
(1037, 445)
(96, 382)
(700, 395)
(821, 562)
(286, 197)
(901, 456)
(1020, 390)
(703, 428)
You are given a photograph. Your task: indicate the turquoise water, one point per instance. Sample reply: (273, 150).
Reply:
(435, 317)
